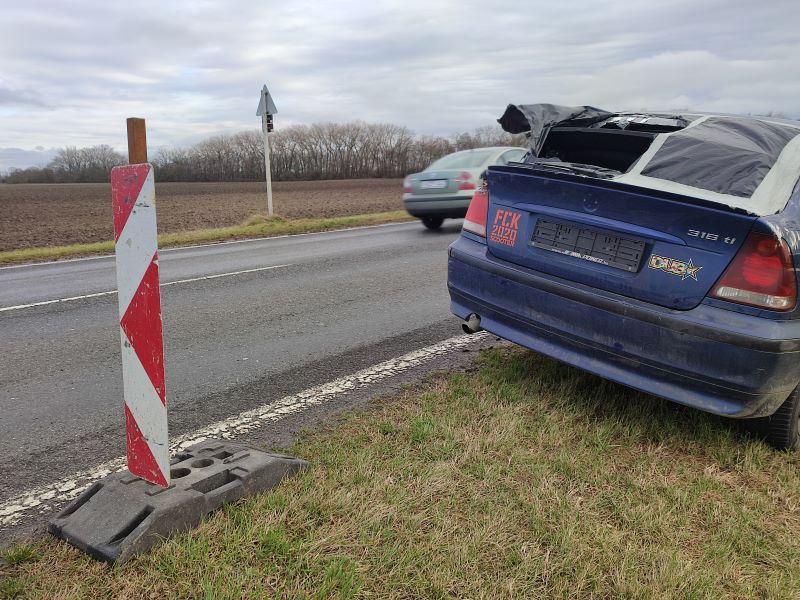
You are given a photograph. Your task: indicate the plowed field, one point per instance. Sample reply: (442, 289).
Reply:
(56, 214)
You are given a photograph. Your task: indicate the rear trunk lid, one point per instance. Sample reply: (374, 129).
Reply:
(438, 183)
(643, 244)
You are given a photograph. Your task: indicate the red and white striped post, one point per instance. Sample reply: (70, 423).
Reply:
(133, 197)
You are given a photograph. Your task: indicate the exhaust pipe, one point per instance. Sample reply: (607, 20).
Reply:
(472, 324)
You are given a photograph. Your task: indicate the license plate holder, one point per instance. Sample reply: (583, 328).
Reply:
(433, 184)
(589, 244)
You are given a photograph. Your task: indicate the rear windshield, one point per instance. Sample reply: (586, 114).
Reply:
(607, 148)
(461, 160)
(728, 156)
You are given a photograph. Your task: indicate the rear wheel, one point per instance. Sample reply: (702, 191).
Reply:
(432, 222)
(781, 429)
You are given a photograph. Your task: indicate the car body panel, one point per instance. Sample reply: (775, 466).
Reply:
(725, 362)
(422, 187)
(692, 244)
(450, 207)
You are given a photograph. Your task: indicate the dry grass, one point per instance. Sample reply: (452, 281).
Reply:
(521, 479)
(256, 226)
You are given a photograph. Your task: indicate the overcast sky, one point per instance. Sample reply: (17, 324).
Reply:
(72, 71)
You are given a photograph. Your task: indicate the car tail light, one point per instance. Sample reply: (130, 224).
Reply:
(761, 274)
(475, 221)
(407, 185)
(464, 181)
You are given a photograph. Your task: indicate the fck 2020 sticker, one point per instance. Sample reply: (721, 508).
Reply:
(505, 227)
(673, 266)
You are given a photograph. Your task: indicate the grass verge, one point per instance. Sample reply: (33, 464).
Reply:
(257, 226)
(522, 478)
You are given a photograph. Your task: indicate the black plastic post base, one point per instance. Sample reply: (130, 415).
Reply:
(122, 515)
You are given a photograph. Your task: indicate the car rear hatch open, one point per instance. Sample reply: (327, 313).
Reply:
(650, 206)
(644, 244)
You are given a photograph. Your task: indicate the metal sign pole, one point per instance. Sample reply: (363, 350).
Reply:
(266, 163)
(266, 108)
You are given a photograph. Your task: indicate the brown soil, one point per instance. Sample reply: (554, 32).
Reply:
(56, 214)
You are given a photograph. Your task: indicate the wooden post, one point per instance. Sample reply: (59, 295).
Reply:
(137, 141)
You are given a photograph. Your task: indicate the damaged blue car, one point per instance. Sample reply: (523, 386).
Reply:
(657, 250)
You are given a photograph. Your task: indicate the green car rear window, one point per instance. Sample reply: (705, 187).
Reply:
(461, 160)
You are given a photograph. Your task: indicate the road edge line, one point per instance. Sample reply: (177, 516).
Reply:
(43, 498)
(165, 284)
(169, 249)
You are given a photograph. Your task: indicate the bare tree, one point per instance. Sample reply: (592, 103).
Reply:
(301, 152)
(73, 164)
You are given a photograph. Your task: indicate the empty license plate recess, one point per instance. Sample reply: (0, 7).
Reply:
(433, 184)
(593, 245)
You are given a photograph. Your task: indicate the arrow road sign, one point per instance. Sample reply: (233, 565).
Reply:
(266, 108)
(266, 105)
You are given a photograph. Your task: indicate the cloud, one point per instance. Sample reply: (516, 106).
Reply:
(194, 69)
(10, 97)
(20, 158)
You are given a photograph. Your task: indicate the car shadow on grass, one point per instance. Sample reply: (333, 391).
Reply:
(612, 413)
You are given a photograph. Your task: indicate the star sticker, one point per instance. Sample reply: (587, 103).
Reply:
(691, 271)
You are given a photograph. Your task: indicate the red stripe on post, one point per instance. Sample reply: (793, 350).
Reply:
(141, 461)
(126, 184)
(142, 325)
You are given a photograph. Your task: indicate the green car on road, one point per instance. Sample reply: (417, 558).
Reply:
(444, 189)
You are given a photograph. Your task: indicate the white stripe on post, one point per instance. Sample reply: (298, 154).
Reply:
(144, 404)
(141, 244)
(133, 195)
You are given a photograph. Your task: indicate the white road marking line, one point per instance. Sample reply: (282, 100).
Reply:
(43, 499)
(165, 284)
(45, 302)
(204, 277)
(289, 235)
(162, 251)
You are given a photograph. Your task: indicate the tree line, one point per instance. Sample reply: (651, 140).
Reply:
(300, 152)
(71, 165)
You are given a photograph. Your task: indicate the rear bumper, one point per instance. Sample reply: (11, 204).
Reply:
(709, 358)
(451, 207)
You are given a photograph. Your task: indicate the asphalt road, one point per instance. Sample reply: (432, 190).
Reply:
(336, 302)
